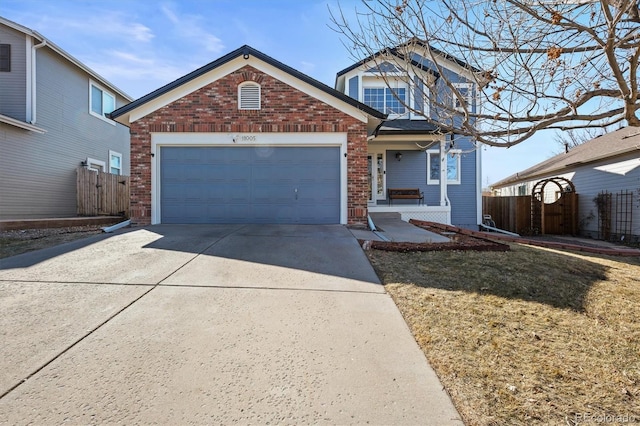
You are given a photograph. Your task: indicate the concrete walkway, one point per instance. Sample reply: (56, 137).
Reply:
(390, 227)
(209, 325)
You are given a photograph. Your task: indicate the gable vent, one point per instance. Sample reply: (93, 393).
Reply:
(249, 96)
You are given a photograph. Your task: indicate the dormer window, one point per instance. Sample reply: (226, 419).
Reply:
(249, 96)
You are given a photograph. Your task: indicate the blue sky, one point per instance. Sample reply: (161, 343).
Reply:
(141, 45)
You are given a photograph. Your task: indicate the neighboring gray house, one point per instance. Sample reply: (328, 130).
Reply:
(404, 151)
(52, 120)
(607, 163)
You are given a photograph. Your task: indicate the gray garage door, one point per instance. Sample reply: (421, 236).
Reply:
(250, 185)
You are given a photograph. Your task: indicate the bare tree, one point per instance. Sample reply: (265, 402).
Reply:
(571, 138)
(534, 64)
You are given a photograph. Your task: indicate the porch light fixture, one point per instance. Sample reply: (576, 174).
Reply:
(398, 156)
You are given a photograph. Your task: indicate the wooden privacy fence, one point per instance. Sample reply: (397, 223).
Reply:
(102, 193)
(509, 213)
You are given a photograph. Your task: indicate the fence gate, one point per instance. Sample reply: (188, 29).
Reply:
(100, 193)
(559, 217)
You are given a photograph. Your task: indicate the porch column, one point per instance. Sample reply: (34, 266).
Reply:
(443, 173)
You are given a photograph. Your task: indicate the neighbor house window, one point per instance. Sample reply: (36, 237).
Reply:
(522, 190)
(466, 93)
(101, 102)
(433, 167)
(249, 96)
(5, 57)
(386, 100)
(115, 163)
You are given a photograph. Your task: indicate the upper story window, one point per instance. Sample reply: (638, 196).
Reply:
(466, 93)
(101, 102)
(386, 100)
(115, 163)
(249, 96)
(5, 57)
(433, 167)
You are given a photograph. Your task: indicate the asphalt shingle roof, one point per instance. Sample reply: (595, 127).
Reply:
(612, 144)
(404, 126)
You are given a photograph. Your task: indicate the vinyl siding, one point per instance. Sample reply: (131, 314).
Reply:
(464, 197)
(37, 171)
(13, 85)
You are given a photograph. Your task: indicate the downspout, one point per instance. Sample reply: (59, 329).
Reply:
(443, 173)
(479, 184)
(33, 79)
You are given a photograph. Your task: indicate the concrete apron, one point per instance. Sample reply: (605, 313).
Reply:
(209, 324)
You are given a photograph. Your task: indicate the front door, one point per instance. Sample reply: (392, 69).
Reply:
(377, 181)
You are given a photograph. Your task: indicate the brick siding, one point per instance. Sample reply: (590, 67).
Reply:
(214, 108)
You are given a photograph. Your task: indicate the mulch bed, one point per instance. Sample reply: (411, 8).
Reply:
(459, 242)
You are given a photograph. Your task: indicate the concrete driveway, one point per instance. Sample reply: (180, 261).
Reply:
(211, 324)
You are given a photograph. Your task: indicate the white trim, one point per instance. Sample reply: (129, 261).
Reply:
(104, 91)
(430, 180)
(91, 162)
(28, 78)
(115, 154)
(159, 140)
(374, 151)
(21, 124)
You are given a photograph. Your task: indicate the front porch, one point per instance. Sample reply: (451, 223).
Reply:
(439, 214)
(413, 161)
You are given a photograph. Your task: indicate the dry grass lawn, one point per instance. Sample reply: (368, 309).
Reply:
(530, 336)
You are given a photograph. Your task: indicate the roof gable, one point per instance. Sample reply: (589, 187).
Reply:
(607, 146)
(413, 46)
(233, 61)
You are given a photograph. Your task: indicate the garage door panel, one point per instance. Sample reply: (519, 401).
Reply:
(219, 192)
(273, 213)
(250, 184)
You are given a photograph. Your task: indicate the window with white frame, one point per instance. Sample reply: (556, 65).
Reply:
(101, 102)
(115, 163)
(249, 96)
(421, 99)
(465, 101)
(386, 100)
(433, 167)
